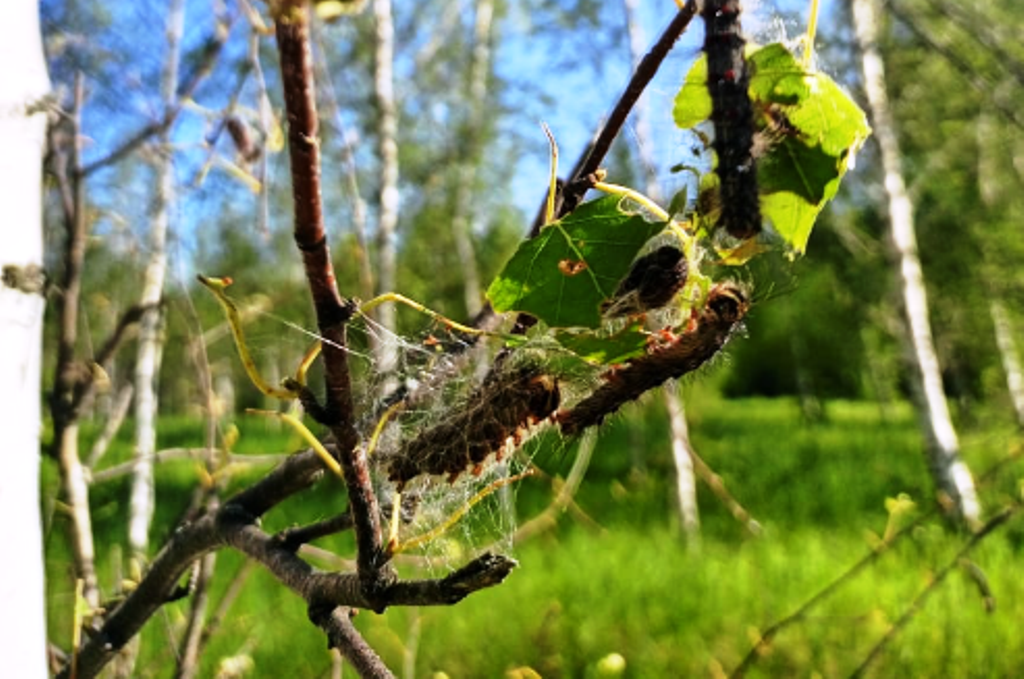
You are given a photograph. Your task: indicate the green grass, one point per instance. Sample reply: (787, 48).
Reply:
(635, 588)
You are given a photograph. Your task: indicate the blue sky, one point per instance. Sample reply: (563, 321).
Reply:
(124, 98)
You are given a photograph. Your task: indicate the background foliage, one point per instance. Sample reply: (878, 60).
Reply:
(805, 418)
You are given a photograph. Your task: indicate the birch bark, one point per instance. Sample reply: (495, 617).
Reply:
(388, 197)
(686, 484)
(151, 339)
(952, 478)
(23, 83)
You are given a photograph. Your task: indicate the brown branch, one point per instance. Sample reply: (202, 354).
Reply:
(643, 75)
(571, 192)
(293, 538)
(336, 622)
(331, 311)
(189, 543)
(208, 53)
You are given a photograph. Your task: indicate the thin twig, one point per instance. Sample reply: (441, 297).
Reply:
(121, 405)
(643, 75)
(169, 454)
(226, 601)
(192, 645)
(209, 52)
(915, 606)
(773, 630)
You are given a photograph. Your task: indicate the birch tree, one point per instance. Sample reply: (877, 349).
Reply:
(686, 483)
(990, 190)
(23, 84)
(387, 157)
(147, 366)
(950, 474)
(463, 214)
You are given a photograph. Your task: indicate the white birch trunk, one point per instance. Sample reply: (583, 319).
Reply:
(686, 484)
(991, 189)
(23, 82)
(464, 215)
(387, 152)
(147, 367)
(950, 474)
(1010, 357)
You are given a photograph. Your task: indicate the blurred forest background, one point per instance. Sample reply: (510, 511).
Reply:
(806, 421)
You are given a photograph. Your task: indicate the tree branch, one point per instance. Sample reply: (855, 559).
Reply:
(643, 75)
(331, 311)
(208, 52)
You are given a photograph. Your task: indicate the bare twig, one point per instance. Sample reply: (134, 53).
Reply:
(192, 645)
(773, 630)
(169, 454)
(208, 53)
(572, 191)
(549, 517)
(717, 486)
(226, 601)
(643, 75)
(120, 410)
(70, 376)
(937, 579)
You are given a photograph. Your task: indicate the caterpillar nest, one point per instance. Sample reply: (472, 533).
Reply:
(496, 415)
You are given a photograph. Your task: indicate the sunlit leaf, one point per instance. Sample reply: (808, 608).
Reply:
(563, 274)
(628, 343)
(811, 130)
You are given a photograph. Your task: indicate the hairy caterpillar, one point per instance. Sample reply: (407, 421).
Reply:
(651, 283)
(726, 306)
(500, 409)
(733, 117)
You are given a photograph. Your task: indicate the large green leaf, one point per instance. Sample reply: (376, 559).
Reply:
(693, 103)
(812, 126)
(563, 274)
(815, 105)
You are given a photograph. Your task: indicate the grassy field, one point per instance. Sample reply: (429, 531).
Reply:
(624, 581)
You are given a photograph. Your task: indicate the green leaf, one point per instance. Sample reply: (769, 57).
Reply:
(823, 128)
(777, 77)
(815, 105)
(793, 217)
(794, 167)
(693, 103)
(563, 274)
(628, 343)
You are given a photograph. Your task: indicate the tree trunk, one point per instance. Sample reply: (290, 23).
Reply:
(686, 483)
(23, 82)
(387, 200)
(950, 474)
(1010, 357)
(992, 191)
(68, 374)
(151, 336)
(464, 215)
